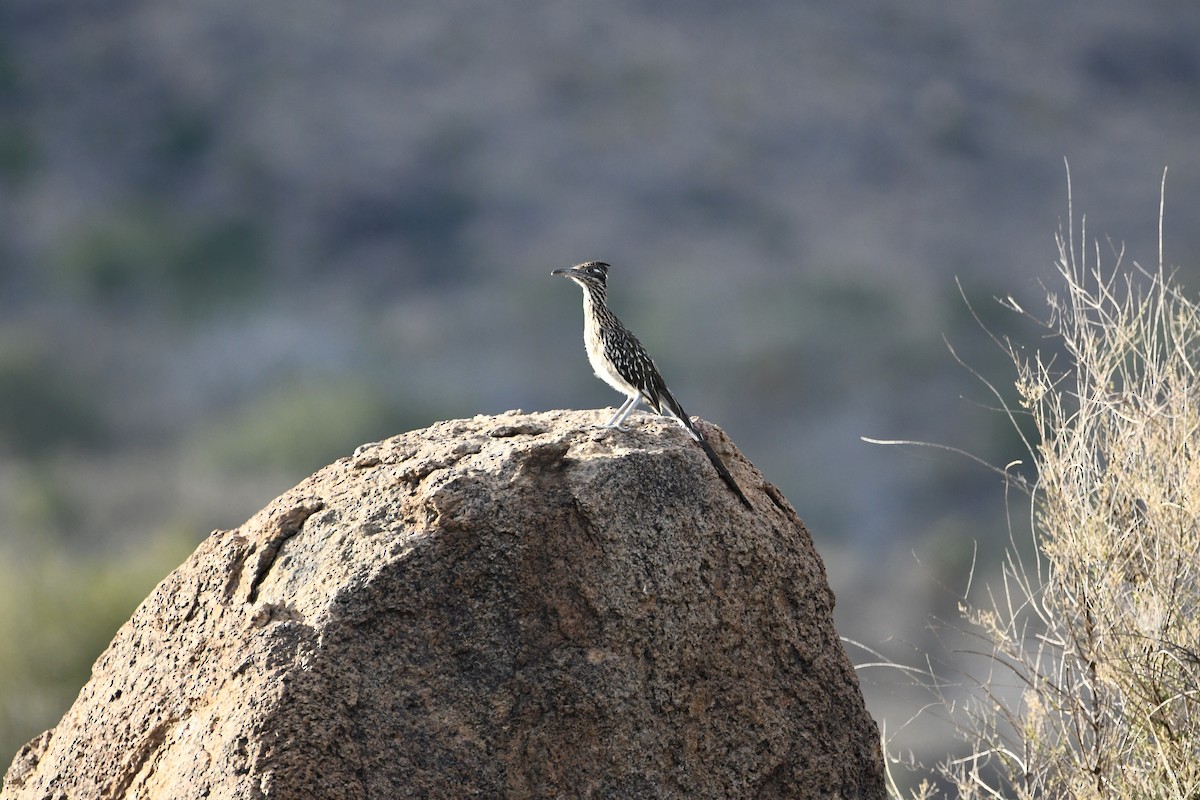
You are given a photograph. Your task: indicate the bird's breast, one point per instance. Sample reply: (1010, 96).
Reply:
(597, 356)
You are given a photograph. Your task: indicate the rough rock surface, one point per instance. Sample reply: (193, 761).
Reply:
(519, 606)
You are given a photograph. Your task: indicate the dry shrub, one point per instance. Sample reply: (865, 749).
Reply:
(1092, 646)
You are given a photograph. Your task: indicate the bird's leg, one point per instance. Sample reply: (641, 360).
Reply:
(624, 411)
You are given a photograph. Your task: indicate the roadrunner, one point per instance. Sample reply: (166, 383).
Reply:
(620, 361)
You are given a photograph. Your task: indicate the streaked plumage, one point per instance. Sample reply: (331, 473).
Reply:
(621, 361)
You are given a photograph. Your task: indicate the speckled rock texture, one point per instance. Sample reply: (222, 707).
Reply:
(518, 606)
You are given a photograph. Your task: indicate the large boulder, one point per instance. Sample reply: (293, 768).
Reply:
(522, 606)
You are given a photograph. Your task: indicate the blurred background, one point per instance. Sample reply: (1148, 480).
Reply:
(239, 239)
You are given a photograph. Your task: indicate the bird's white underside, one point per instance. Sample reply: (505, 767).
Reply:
(595, 353)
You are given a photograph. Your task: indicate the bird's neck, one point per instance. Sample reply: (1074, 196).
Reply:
(593, 299)
(594, 296)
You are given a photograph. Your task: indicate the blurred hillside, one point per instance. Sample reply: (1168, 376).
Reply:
(237, 240)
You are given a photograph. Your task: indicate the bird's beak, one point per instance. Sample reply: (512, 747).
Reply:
(561, 272)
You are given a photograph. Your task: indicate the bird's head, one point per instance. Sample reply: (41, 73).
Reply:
(588, 274)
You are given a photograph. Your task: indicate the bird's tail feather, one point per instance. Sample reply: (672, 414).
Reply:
(667, 402)
(723, 472)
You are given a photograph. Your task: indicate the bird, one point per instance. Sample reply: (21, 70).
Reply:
(621, 361)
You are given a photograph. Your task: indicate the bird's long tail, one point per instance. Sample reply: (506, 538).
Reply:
(670, 405)
(722, 471)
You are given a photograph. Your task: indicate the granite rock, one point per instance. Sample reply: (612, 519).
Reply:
(522, 606)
